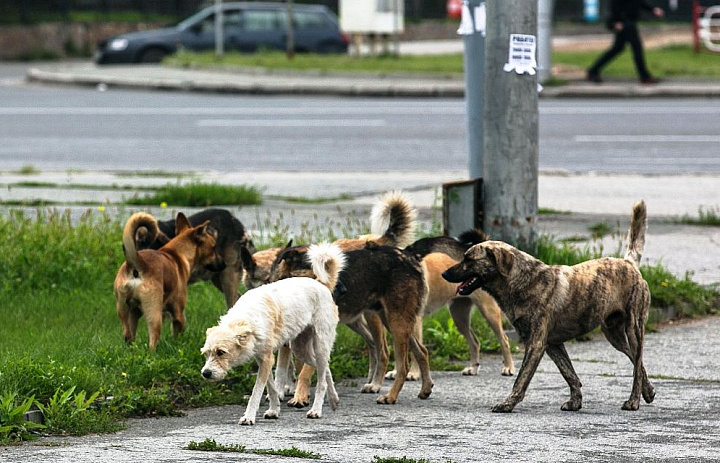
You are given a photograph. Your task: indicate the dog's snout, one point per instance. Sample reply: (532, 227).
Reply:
(207, 374)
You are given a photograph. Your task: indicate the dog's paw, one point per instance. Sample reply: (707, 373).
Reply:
(390, 375)
(287, 390)
(648, 394)
(386, 400)
(470, 371)
(297, 403)
(413, 376)
(631, 405)
(508, 371)
(503, 407)
(271, 415)
(246, 421)
(313, 414)
(571, 406)
(370, 388)
(334, 401)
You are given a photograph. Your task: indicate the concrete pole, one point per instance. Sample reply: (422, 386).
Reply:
(474, 66)
(545, 15)
(511, 129)
(219, 42)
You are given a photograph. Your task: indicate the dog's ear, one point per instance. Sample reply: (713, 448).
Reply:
(289, 245)
(181, 223)
(476, 252)
(205, 228)
(246, 258)
(503, 260)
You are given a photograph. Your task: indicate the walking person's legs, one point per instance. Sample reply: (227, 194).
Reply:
(593, 73)
(633, 38)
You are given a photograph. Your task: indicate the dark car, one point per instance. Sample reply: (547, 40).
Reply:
(247, 27)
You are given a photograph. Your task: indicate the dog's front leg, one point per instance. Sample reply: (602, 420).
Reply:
(534, 351)
(265, 362)
(282, 372)
(274, 411)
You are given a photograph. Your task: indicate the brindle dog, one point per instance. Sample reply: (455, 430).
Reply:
(549, 305)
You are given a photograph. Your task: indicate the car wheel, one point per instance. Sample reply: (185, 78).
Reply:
(152, 55)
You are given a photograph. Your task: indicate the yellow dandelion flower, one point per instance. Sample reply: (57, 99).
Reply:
(163, 204)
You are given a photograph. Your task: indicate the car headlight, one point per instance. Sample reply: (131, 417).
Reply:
(118, 44)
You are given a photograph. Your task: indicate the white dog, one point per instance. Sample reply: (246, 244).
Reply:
(295, 311)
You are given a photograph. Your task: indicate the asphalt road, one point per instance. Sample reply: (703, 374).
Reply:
(57, 128)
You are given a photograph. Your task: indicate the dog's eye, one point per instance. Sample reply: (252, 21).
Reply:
(220, 353)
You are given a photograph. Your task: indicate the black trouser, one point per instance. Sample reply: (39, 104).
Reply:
(628, 34)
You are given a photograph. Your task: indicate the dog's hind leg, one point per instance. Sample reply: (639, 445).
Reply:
(321, 357)
(559, 355)
(129, 317)
(372, 330)
(227, 281)
(421, 354)
(461, 310)
(302, 388)
(492, 313)
(635, 331)
(265, 363)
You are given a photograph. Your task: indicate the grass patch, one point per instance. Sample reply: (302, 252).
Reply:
(600, 230)
(73, 186)
(321, 200)
(28, 169)
(670, 61)
(29, 202)
(428, 64)
(550, 211)
(209, 445)
(709, 216)
(154, 173)
(198, 194)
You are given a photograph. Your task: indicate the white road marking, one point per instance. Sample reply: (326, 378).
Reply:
(407, 109)
(647, 138)
(291, 123)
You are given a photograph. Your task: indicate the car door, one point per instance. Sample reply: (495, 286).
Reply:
(261, 28)
(201, 35)
(311, 30)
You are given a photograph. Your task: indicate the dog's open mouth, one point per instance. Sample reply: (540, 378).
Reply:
(467, 287)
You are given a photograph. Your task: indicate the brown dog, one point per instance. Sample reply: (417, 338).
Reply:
(153, 283)
(549, 305)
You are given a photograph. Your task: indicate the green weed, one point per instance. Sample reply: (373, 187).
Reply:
(68, 412)
(198, 194)
(28, 169)
(209, 445)
(599, 230)
(13, 426)
(709, 216)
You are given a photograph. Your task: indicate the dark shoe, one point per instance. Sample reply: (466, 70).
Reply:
(649, 80)
(594, 77)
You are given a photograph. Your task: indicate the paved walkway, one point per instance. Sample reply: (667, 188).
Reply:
(456, 424)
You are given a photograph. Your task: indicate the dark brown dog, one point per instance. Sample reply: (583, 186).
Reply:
(549, 305)
(153, 283)
(230, 238)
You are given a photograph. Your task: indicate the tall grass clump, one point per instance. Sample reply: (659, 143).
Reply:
(198, 194)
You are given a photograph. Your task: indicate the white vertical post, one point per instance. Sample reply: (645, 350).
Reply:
(219, 42)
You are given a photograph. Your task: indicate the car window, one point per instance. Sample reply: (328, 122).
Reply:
(308, 20)
(231, 18)
(260, 20)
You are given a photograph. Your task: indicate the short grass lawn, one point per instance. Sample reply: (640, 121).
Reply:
(671, 61)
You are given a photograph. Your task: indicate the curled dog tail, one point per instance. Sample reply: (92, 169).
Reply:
(138, 223)
(327, 261)
(636, 235)
(393, 217)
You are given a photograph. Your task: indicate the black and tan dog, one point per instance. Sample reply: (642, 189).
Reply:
(549, 305)
(154, 282)
(383, 282)
(231, 237)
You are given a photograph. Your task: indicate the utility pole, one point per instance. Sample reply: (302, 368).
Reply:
(219, 36)
(290, 39)
(545, 15)
(473, 33)
(511, 124)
